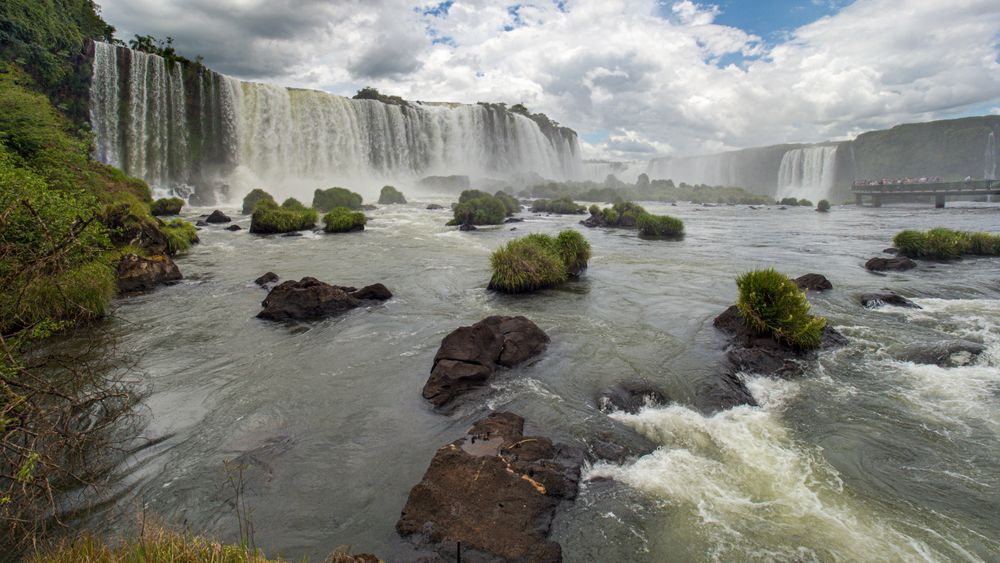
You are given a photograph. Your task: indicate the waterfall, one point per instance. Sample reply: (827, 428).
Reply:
(991, 158)
(176, 125)
(807, 173)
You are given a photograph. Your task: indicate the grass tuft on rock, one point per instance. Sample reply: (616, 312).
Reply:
(268, 218)
(344, 220)
(659, 226)
(166, 206)
(510, 202)
(255, 196)
(538, 261)
(823, 206)
(771, 303)
(946, 244)
(478, 208)
(562, 206)
(390, 195)
(180, 236)
(326, 200)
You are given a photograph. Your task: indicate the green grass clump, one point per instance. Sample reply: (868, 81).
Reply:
(562, 205)
(790, 201)
(805, 203)
(660, 226)
(180, 236)
(156, 544)
(325, 200)
(482, 210)
(268, 218)
(166, 206)
(255, 196)
(946, 244)
(292, 203)
(510, 202)
(344, 220)
(823, 206)
(390, 195)
(773, 304)
(538, 261)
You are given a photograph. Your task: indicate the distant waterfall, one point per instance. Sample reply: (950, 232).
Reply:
(807, 173)
(174, 125)
(991, 158)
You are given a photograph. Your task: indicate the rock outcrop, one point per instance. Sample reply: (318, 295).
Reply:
(492, 495)
(946, 353)
(470, 355)
(434, 206)
(813, 282)
(266, 279)
(136, 273)
(897, 264)
(629, 397)
(217, 217)
(311, 299)
(876, 300)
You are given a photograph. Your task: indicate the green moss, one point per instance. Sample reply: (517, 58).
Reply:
(255, 196)
(180, 236)
(325, 200)
(563, 205)
(805, 203)
(789, 201)
(773, 304)
(510, 202)
(268, 218)
(482, 210)
(344, 220)
(166, 206)
(538, 261)
(823, 206)
(946, 244)
(659, 226)
(390, 195)
(292, 203)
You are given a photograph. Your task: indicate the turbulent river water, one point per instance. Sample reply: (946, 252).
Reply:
(863, 458)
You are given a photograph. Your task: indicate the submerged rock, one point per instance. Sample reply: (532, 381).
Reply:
(136, 273)
(311, 299)
(434, 206)
(468, 227)
(513, 220)
(234, 228)
(876, 300)
(948, 353)
(630, 397)
(267, 279)
(217, 217)
(470, 355)
(813, 282)
(897, 264)
(494, 492)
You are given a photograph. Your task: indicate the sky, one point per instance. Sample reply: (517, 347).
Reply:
(637, 79)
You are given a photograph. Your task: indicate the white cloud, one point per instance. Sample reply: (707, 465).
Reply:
(645, 71)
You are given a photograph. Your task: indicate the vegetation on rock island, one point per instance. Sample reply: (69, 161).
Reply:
(538, 261)
(659, 226)
(563, 205)
(255, 196)
(478, 208)
(510, 202)
(771, 303)
(180, 236)
(344, 220)
(613, 189)
(946, 244)
(390, 195)
(823, 206)
(325, 200)
(166, 206)
(269, 218)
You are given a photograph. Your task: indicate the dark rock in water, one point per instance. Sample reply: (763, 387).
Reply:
(514, 220)
(468, 227)
(292, 234)
(266, 279)
(494, 492)
(782, 208)
(891, 250)
(619, 444)
(469, 355)
(513, 228)
(948, 353)
(218, 217)
(200, 223)
(724, 393)
(899, 264)
(136, 273)
(876, 300)
(234, 228)
(377, 292)
(307, 299)
(630, 397)
(434, 206)
(813, 282)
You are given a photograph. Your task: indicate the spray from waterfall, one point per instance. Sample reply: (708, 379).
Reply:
(807, 173)
(991, 158)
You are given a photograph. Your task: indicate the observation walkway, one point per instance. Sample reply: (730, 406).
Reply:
(879, 193)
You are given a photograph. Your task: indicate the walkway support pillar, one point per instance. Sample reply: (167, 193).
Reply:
(939, 201)
(876, 201)
(857, 200)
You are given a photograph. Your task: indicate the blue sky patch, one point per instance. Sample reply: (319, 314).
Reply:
(772, 20)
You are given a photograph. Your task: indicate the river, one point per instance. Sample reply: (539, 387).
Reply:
(863, 458)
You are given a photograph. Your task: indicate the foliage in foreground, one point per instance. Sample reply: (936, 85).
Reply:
(563, 205)
(659, 226)
(325, 200)
(253, 198)
(478, 208)
(344, 220)
(269, 218)
(538, 261)
(390, 195)
(773, 304)
(946, 244)
(153, 546)
(180, 236)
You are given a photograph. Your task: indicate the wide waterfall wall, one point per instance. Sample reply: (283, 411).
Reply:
(181, 126)
(807, 173)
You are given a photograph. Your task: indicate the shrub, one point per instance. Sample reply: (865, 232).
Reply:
(390, 195)
(180, 236)
(628, 213)
(805, 203)
(660, 226)
(468, 195)
(538, 261)
(563, 205)
(773, 304)
(268, 218)
(292, 203)
(983, 244)
(823, 206)
(166, 206)
(790, 201)
(946, 244)
(256, 195)
(325, 200)
(483, 210)
(344, 220)
(594, 209)
(509, 201)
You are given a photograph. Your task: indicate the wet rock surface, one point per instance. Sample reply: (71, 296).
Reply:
(234, 228)
(813, 282)
(470, 355)
(267, 279)
(896, 264)
(876, 300)
(947, 353)
(629, 397)
(217, 217)
(468, 227)
(136, 273)
(311, 299)
(434, 206)
(495, 492)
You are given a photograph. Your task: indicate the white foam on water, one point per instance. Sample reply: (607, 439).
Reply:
(750, 490)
